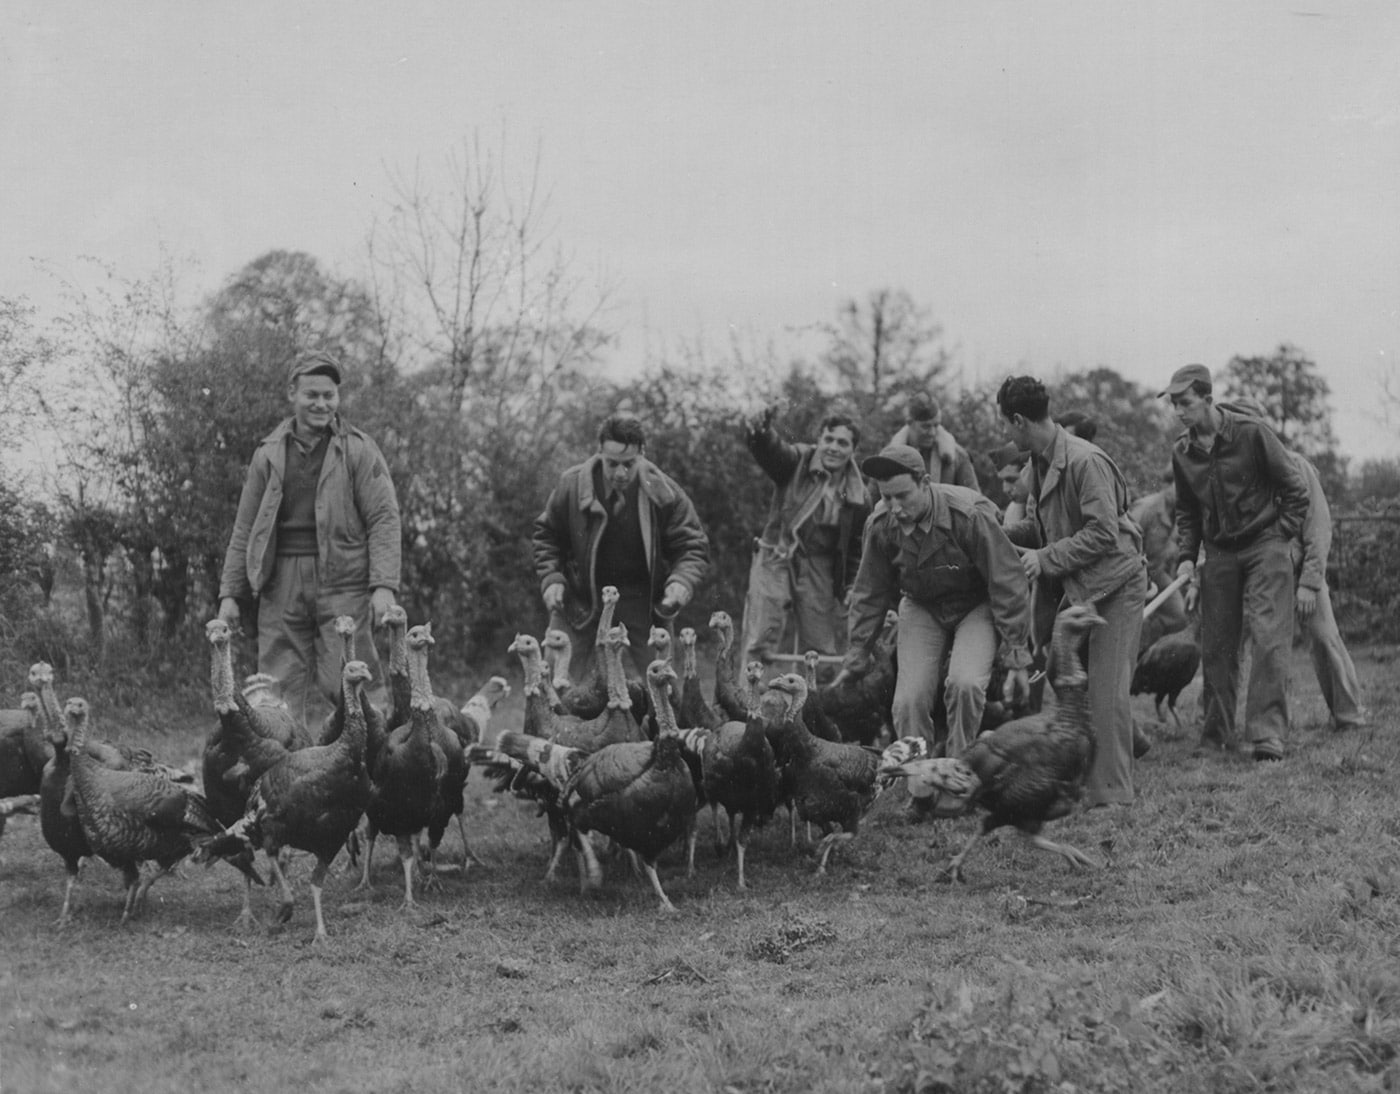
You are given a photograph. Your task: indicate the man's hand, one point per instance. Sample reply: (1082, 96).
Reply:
(1016, 691)
(1306, 602)
(380, 601)
(1030, 562)
(1193, 587)
(844, 677)
(675, 597)
(763, 420)
(229, 613)
(554, 598)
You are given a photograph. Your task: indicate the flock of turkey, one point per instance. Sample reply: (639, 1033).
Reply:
(636, 763)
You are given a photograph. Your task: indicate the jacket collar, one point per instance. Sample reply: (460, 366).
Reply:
(849, 484)
(1224, 430)
(651, 482)
(285, 426)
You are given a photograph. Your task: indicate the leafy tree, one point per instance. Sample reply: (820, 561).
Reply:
(885, 347)
(1377, 484)
(1135, 427)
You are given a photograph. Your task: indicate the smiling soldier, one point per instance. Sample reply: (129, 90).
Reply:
(316, 536)
(807, 555)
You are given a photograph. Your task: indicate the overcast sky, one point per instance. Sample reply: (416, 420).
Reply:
(1065, 184)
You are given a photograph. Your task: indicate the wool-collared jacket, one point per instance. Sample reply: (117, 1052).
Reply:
(800, 480)
(358, 534)
(567, 531)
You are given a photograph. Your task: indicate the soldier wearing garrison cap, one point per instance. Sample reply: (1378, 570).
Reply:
(1241, 501)
(316, 536)
(937, 552)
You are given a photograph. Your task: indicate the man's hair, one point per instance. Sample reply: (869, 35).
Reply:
(624, 429)
(1023, 395)
(922, 407)
(835, 421)
(1079, 423)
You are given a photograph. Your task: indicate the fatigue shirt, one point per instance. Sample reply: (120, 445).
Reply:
(954, 470)
(1316, 537)
(953, 560)
(1157, 519)
(1231, 492)
(567, 531)
(1079, 520)
(358, 537)
(800, 482)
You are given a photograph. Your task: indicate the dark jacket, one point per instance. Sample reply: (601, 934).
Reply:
(357, 516)
(567, 531)
(1244, 483)
(963, 561)
(1078, 519)
(796, 471)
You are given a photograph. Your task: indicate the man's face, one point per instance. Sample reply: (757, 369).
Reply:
(315, 400)
(835, 447)
(1010, 477)
(619, 463)
(1192, 410)
(907, 497)
(1018, 429)
(922, 430)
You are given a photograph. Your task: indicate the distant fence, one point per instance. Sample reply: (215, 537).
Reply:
(1364, 574)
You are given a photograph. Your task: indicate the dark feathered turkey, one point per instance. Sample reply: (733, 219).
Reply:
(311, 799)
(1027, 771)
(1166, 668)
(862, 709)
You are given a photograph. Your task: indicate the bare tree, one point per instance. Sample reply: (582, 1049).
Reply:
(889, 342)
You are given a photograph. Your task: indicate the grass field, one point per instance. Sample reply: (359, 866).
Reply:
(1243, 935)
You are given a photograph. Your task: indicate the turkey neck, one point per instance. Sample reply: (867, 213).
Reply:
(221, 677)
(661, 708)
(605, 618)
(617, 678)
(689, 668)
(532, 666)
(48, 700)
(355, 733)
(347, 648)
(1071, 683)
(420, 688)
(563, 665)
(398, 650)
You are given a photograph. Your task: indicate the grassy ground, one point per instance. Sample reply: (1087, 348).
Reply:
(1244, 935)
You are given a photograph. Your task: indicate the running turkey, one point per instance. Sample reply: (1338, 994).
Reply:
(1028, 771)
(1167, 667)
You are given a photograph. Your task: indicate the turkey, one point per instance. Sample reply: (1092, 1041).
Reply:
(311, 799)
(131, 817)
(401, 689)
(1027, 771)
(861, 708)
(814, 714)
(542, 718)
(738, 772)
(262, 690)
(59, 822)
(375, 723)
(473, 725)
(1167, 667)
(24, 752)
(691, 710)
(615, 723)
(119, 757)
(418, 776)
(731, 699)
(640, 793)
(831, 783)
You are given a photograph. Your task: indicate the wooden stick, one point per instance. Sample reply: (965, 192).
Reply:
(1161, 598)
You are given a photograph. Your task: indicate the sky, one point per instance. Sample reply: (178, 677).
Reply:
(1062, 186)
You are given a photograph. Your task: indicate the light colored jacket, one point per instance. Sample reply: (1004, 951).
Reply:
(358, 540)
(1316, 537)
(1078, 520)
